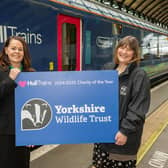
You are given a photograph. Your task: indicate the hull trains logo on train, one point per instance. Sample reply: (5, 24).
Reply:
(30, 36)
(35, 114)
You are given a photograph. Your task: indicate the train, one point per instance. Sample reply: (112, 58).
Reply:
(79, 35)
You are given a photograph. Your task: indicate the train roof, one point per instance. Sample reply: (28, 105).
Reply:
(110, 13)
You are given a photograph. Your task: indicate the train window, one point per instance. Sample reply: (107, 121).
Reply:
(68, 47)
(117, 29)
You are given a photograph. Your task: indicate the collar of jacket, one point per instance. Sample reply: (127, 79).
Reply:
(111, 65)
(129, 68)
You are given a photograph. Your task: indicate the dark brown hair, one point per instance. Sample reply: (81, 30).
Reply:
(26, 62)
(133, 44)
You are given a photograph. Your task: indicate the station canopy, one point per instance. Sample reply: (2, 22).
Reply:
(154, 11)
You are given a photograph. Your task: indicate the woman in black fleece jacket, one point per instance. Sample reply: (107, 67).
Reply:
(134, 101)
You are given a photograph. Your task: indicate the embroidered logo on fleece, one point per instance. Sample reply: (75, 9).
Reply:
(123, 90)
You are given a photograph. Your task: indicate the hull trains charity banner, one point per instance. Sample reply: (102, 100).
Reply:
(66, 107)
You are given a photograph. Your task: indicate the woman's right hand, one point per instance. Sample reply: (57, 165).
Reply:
(14, 72)
(120, 138)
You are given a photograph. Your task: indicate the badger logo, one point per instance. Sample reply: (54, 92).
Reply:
(35, 114)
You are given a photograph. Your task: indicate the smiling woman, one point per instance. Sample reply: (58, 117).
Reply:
(15, 53)
(126, 52)
(134, 92)
(14, 58)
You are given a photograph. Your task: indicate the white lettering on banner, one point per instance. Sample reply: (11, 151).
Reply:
(71, 119)
(61, 112)
(158, 159)
(82, 109)
(29, 36)
(81, 119)
(37, 83)
(94, 118)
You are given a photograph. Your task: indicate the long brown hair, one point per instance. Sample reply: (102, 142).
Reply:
(4, 60)
(133, 44)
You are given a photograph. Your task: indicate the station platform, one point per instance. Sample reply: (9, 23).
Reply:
(157, 156)
(152, 154)
(154, 139)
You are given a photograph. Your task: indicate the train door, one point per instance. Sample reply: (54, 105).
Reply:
(69, 43)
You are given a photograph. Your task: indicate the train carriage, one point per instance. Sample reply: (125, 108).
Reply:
(75, 35)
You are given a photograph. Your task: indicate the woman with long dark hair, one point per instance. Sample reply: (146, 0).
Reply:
(14, 59)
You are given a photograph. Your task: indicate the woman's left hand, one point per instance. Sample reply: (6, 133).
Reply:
(120, 138)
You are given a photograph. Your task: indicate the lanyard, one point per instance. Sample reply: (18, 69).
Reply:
(11, 67)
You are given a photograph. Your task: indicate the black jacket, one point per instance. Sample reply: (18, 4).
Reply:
(134, 101)
(7, 109)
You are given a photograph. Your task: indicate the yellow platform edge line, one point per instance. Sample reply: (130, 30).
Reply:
(144, 148)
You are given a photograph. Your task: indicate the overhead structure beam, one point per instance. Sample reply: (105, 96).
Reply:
(130, 5)
(147, 6)
(154, 11)
(158, 6)
(164, 18)
(154, 6)
(143, 1)
(166, 22)
(160, 12)
(158, 17)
